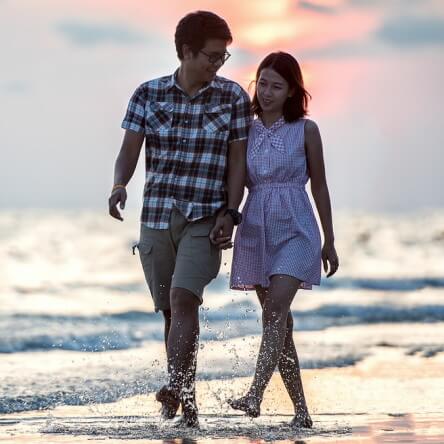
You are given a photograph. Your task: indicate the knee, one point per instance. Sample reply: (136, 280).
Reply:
(274, 314)
(183, 301)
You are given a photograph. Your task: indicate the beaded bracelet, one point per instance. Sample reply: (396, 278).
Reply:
(116, 187)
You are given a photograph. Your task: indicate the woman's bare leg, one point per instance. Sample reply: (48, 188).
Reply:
(274, 320)
(289, 369)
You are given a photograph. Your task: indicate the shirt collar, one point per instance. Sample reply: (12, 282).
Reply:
(172, 81)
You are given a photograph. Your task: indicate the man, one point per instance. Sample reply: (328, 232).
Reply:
(195, 126)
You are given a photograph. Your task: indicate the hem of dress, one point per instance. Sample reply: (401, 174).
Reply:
(250, 287)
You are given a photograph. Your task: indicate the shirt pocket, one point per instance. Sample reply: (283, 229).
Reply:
(217, 118)
(159, 116)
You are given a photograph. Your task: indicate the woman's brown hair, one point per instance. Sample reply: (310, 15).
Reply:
(286, 66)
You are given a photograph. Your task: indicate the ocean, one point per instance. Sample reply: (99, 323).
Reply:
(77, 324)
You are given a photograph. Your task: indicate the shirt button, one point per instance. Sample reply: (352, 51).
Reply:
(186, 121)
(184, 140)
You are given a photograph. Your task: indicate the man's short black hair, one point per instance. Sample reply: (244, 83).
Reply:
(197, 27)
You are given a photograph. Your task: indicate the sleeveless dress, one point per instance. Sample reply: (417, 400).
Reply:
(279, 233)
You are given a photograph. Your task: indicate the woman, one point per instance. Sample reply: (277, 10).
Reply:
(277, 248)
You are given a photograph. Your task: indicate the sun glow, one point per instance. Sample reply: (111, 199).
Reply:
(266, 34)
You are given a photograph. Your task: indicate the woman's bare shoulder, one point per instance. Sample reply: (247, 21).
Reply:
(311, 127)
(311, 132)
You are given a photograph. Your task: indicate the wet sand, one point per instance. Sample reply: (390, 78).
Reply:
(387, 397)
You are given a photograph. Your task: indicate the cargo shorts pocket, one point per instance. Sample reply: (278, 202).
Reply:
(146, 258)
(207, 254)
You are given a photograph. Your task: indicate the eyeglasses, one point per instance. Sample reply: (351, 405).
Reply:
(214, 58)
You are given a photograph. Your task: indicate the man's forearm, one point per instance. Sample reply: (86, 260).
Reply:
(126, 161)
(124, 168)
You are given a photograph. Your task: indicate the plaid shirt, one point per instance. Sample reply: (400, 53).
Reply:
(186, 144)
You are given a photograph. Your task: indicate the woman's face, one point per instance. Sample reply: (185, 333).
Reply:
(272, 91)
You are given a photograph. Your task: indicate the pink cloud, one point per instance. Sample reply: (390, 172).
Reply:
(259, 26)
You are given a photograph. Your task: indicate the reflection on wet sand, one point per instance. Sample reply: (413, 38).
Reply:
(337, 428)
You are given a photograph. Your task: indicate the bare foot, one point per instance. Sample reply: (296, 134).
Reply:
(302, 420)
(170, 402)
(248, 404)
(189, 410)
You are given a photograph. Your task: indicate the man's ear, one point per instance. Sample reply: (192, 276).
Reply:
(186, 51)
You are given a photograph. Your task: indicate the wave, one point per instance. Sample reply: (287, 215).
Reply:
(25, 333)
(221, 284)
(49, 392)
(331, 315)
(425, 350)
(77, 391)
(392, 284)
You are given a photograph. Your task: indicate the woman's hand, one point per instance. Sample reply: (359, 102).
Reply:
(330, 257)
(222, 231)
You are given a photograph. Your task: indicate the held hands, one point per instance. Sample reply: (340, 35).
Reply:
(220, 234)
(117, 195)
(329, 256)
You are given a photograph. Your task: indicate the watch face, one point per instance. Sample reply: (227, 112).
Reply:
(236, 216)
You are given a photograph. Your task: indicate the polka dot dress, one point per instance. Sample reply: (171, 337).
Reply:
(279, 233)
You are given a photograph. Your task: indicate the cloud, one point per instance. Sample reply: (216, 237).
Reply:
(393, 5)
(366, 2)
(412, 31)
(396, 33)
(14, 87)
(315, 7)
(342, 50)
(90, 34)
(242, 57)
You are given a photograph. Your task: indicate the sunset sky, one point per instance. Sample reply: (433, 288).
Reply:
(375, 69)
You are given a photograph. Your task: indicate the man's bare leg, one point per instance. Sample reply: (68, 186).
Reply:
(167, 325)
(182, 349)
(169, 405)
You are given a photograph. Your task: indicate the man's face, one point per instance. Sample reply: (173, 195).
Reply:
(205, 64)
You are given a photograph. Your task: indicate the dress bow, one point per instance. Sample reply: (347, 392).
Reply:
(276, 141)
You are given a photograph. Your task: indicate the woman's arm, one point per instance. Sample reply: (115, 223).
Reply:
(321, 196)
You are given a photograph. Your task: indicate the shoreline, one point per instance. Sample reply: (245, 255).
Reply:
(402, 400)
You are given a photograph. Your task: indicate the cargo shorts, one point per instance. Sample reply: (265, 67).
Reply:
(181, 256)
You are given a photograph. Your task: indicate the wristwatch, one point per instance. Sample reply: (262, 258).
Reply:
(235, 215)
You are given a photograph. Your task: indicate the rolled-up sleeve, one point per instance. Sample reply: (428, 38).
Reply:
(241, 118)
(135, 114)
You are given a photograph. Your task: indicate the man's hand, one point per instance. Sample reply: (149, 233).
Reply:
(222, 231)
(123, 170)
(118, 195)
